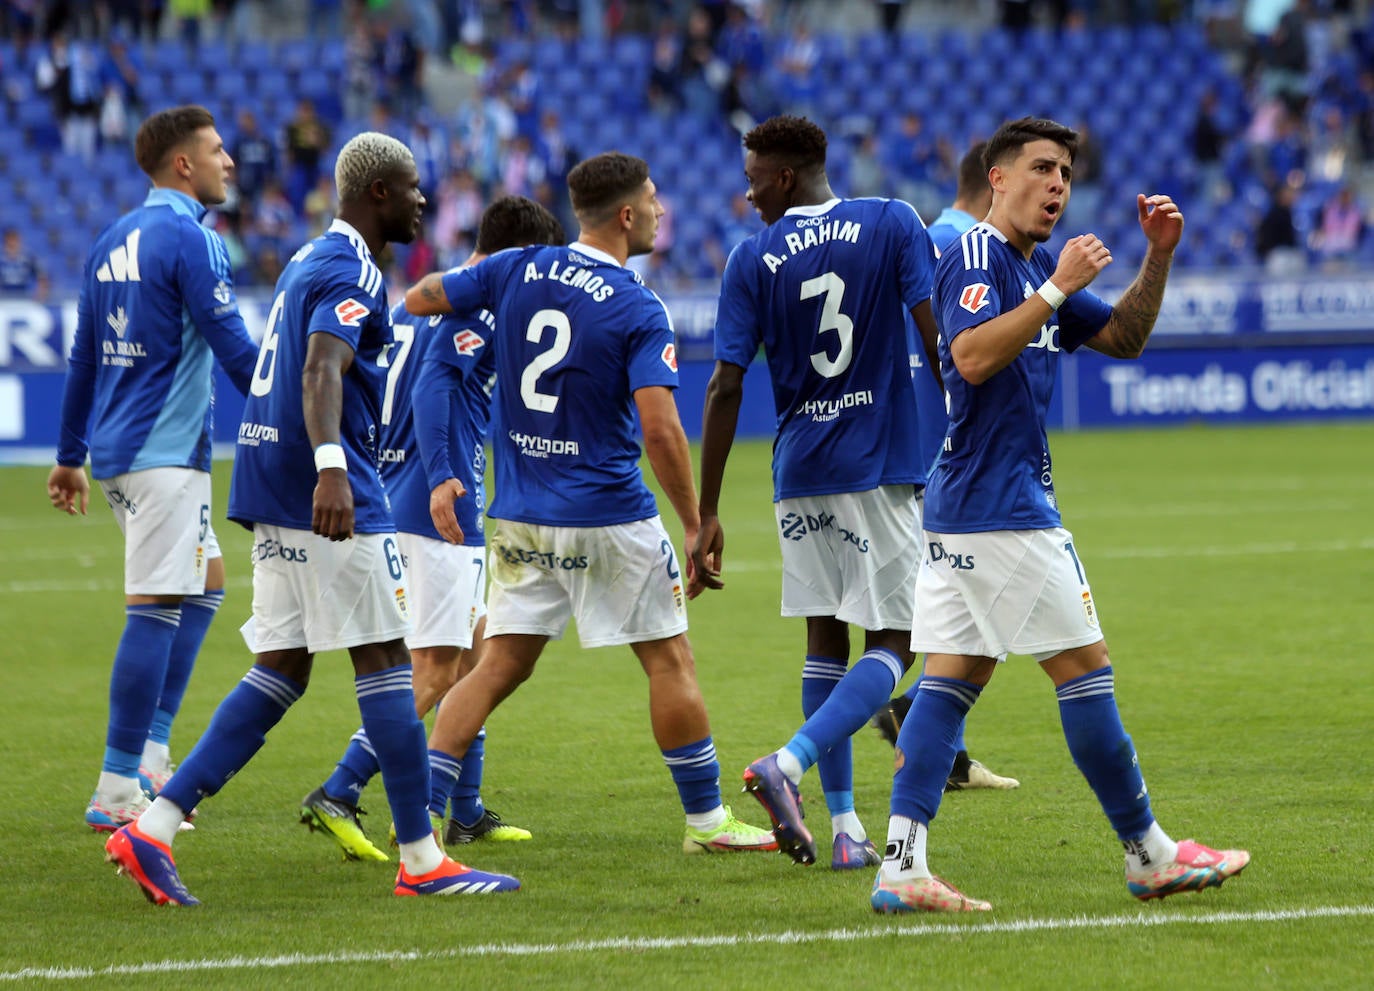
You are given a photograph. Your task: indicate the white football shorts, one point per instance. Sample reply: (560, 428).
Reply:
(446, 588)
(1002, 592)
(852, 555)
(319, 594)
(623, 583)
(164, 514)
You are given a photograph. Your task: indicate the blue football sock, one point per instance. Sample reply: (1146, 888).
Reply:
(140, 662)
(850, 705)
(236, 732)
(355, 769)
(926, 744)
(696, 772)
(466, 797)
(387, 702)
(910, 693)
(820, 675)
(1103, 752)
(197, 612)
(444, 774)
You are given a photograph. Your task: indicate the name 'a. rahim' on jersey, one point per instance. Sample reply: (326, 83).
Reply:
(331, 286)
(827, 291)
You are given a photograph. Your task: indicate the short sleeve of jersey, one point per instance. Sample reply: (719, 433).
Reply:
(737, 327)
(652, 348)
(341, 307)
(470, 289)
(916, 257)
(965, 293)
(1080, 318)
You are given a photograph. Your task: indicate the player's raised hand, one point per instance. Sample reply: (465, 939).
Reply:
(68, 489)
(441, 509)
(332, 514)
(704, 549)
(1161, 220)
(1079, 262)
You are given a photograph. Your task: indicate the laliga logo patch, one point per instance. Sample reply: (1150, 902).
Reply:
(467, 342)
(350, 312)
(669, 355)
(975, 297)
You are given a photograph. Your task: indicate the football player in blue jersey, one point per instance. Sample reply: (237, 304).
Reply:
(157, 306)
(971, 202)
(999, 573)
(831, 289)
(581, 346)
(434, 424)
(327, 573)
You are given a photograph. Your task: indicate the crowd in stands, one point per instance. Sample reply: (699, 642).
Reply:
(1262, 131)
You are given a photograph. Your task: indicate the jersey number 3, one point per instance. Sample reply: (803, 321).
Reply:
(831, 286)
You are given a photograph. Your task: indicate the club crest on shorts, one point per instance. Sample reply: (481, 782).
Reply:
(975, 297)
(1088, 609)
(401, 606)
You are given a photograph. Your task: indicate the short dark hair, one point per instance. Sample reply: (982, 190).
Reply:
(601, 184)
(1012, 136)
(514, 221)
(165, 131)
(793, 141)
(973, 174)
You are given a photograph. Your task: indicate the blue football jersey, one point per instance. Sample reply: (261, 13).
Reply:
(946, 228)
(434, 420)
(576, 334)
(157, 305)
(827, 290)
(995, 472)
(331, 286)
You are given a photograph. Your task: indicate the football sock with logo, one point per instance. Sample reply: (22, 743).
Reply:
(904, 859)
(466, 800)
(1106, 758)
(386, 700)
(926, 745)
(850, 704)
(236, 732)
(355, 769)
(696, 772)
(820, 675)
(444, 773)
(197, 613)
(140, 660)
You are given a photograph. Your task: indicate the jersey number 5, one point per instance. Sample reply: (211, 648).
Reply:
(831, 286)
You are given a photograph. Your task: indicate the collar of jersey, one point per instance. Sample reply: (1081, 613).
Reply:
(177, 200)
(986, 227)
(813, 209)
(590, 252)
(349, 231)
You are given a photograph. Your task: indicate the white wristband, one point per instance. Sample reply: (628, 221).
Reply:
(1050, 293)
(330, 456)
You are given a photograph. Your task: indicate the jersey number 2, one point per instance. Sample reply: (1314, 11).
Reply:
(556, 321)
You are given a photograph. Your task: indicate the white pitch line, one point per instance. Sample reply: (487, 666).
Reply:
(644, 944)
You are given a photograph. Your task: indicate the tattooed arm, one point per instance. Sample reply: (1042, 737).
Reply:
(1133, 316)
(427, 297)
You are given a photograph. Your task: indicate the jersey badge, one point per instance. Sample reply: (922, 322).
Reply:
(223, 293)
(975, 297)
(467, 342)
(350, 312)
(669, 355)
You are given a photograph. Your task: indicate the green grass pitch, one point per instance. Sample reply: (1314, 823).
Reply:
(1233, 570)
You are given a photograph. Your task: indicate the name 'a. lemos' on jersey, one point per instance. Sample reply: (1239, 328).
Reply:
(572, 275)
